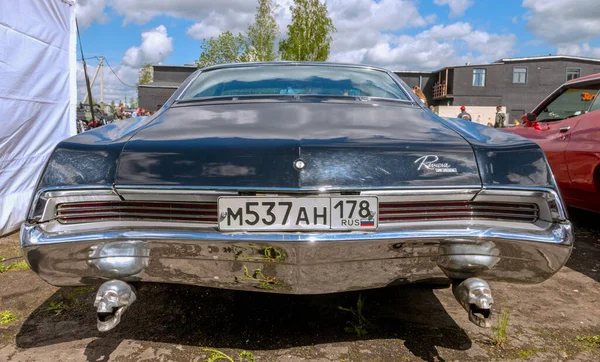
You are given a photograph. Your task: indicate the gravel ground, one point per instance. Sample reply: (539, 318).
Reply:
(556, 320)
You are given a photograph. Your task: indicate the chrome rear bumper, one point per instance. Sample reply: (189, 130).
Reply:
(307, 263)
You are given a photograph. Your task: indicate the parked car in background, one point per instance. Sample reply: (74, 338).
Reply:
(566, 125)
(299, 178)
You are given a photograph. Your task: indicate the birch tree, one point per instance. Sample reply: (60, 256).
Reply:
(309, 34)
(263, 32)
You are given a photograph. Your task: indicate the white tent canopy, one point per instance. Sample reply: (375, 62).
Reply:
(37, 96)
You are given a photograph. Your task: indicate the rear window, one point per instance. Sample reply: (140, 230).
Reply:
(301, 80)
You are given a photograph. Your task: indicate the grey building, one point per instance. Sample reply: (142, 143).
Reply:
(166, 79)
(519, 84)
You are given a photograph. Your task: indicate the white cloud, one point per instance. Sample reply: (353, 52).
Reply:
(407, 52)
(563, 22)
(113, 88)
(140, 11)
(237, 19)
(452, 31)
(220, 14)
(584, 50)
(360, 23)
(436, 47)
(431, 18)
(365, 27)
(204, 30)
(490, 46)
(89, 11)
(215, 23)
(156, 47)
(457, 7)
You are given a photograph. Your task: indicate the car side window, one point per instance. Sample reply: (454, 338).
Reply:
(596, 103)
(571, 103)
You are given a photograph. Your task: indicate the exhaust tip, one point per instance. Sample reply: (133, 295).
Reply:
(112, 299)
(480, 317)
(475, 295)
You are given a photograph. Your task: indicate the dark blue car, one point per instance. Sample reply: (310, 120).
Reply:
(300, 178)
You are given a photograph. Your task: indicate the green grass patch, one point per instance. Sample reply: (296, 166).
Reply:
(589, 341)
(526, 353)
(7, 317)
(79, 291)
(499, 336)
(57, 307)
(216, 355)
(359, 324)
(20, 265)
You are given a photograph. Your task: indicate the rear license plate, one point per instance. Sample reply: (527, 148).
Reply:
(297, 213)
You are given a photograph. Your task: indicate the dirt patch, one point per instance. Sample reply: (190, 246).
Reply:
(555, 320)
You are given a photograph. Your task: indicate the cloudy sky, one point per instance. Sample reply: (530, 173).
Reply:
(397, 34)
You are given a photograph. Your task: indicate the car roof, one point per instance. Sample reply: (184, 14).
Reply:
(288, 63)
(585, 79)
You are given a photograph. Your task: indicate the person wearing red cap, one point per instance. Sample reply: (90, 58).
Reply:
(464, 115)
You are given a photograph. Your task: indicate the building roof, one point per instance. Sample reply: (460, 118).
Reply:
(186, 66)
(414, 71)
(161, 84)
(506, 60)
(548, 57)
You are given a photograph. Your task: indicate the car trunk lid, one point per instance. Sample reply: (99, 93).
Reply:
(347, 144)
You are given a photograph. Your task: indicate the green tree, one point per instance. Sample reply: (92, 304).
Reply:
(146, 74)
(309, 34)
(226, 48)
(263, 32)
(112, 104)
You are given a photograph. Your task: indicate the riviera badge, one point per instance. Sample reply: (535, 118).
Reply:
(430, 163)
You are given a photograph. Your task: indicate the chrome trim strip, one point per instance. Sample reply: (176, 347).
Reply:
(295, 63)
(145, 190)
(450, 230)
(122, 188)
(428, 194)
(184, 90)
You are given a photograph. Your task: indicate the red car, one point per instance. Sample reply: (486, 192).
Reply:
(566, 125)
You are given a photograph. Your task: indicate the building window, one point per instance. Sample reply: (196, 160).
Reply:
(478, 77)
(520, 75)
(573, 73)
